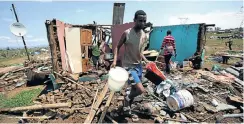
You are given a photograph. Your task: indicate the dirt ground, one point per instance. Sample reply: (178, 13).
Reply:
(8, 119)
(12, 61)
(16, 91)
(214, 45)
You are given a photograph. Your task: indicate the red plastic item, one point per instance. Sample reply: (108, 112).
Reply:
(153, 67)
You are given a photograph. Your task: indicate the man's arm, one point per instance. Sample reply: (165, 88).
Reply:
(117, 48)
(142, 49)
(163, 44)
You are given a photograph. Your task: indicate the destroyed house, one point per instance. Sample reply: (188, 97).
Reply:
(190, 38)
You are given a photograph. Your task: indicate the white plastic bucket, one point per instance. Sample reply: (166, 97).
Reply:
(180, 100)
(117, 78)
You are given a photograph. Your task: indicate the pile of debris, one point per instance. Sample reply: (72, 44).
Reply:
(87, 98)
(17, 76)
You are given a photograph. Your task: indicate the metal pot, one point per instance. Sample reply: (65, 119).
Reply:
(108, 56)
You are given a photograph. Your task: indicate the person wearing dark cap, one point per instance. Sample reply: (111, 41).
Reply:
(135, 41)
(168, 49)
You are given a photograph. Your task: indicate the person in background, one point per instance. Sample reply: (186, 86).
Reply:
(196, 60)
(229, 42)
(96, 54)
(168, 49)
(102, 49)
(134, 40)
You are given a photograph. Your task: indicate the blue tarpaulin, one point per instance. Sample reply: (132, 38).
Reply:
(186, 37)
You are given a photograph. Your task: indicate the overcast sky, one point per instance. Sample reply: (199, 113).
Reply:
(225, 14)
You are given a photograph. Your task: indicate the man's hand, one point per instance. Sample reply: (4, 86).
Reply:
(113, 65)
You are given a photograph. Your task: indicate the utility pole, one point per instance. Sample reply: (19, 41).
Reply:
(21, 36)
(183, 20)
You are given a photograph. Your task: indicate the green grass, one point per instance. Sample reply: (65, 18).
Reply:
(24, 98)
(215, 45)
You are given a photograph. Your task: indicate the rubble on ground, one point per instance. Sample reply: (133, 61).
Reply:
(205, 86)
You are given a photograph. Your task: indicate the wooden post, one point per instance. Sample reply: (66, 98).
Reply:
(106, 107)
(21, 36)
(53, 46)
(37, 107)
(92, 113)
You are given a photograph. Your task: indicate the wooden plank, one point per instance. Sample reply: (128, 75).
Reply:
(85, 37)
(235, 99)
(60, 34)
(52, 45)
(38, 107)
(74, 48)
(106, 107)
(86, 52)
(85, 65)
(97, 104)
(113, 121)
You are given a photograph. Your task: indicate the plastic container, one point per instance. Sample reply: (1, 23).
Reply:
(154, 78)
(117, 78)
(152, 67)
(180, 100)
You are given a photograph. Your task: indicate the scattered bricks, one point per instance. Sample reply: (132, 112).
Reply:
(87, 83)
(88, 93)
(85, 110)
(98, 81)
(62, 89)
(73, 86)
(15, 80)
(48, 99)
(69, 84)
(78, 106)
(78, 92)
(69, 100)
(95, 86)
(66, 92)
(83, 116)
(69, 88)
(87, 102)
(199, 108)
(84, 96)
(49, 93)
(64, 86)
(135, 118)
(43, 97)
(70, 95)
(61, 100)
(56, 91)
(52, 98)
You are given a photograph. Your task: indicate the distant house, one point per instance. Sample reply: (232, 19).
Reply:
(220, 31)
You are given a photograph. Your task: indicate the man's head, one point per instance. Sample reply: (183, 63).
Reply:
(140, 19)
(168, 32)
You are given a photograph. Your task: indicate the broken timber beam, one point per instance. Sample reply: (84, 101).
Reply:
(106, 107)
(37, 107)
(52, 44)
(72, 81)
(190, 117)
(114, 122)
(97, 104)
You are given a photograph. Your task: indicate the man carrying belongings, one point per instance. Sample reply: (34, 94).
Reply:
(134, 40)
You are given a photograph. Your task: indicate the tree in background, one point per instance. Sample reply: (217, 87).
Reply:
(217, 28)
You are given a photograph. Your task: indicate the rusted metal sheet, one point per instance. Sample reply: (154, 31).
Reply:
(85, 37)
(117, 31)
(118, 13)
